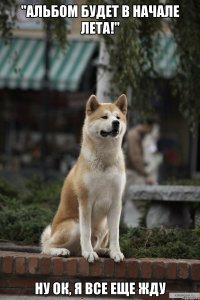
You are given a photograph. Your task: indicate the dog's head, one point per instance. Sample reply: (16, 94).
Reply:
(106, 120)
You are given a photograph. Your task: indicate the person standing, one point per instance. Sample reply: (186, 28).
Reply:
(135, 153)
(136, 171)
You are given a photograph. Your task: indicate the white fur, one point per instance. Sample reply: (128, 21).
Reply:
(105, 201)
(105, 186)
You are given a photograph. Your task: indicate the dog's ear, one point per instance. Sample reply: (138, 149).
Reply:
(122, 103)
(92, 104)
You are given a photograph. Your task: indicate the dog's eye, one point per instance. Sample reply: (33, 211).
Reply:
(104, 117)
(118, 118)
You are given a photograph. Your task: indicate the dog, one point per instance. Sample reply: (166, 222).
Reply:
(89, 212)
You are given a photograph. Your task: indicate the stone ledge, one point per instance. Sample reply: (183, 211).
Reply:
(164, 193)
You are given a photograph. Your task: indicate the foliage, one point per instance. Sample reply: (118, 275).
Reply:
(7, 16)
(24, 214)
(186, 83)
(161, 242)
(131, 49)
(24, 223)
(132, 45)
(57, 27)
(184, 181)
(7, 189)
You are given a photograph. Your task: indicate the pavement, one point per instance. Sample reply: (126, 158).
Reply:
(10, 297)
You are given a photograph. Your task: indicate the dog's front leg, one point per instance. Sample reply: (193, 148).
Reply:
(113, 224)
(85, 232)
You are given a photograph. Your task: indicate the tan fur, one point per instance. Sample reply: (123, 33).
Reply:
(90, 203)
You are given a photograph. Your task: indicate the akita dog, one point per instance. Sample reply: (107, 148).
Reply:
(91, 198)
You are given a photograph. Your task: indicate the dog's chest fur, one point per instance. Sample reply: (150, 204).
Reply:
(104, 187)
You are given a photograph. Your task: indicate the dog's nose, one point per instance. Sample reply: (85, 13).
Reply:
(115, 124)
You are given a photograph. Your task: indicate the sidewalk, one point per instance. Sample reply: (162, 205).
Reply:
(2, 297)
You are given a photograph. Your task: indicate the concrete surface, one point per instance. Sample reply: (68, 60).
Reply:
(164, 193)
(131, 214)
(11, 297)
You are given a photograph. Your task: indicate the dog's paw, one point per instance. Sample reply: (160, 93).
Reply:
(59, 252)
(117, 256)
(90, 256)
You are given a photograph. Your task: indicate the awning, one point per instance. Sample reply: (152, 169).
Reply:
(165, 57)
(22, 64)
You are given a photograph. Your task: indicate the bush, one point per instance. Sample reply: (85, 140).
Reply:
(24, 223)
(6, 189)
(161, 242)
(183, 181)
(23, 215)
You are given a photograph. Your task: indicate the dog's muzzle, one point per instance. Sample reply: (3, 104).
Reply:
(114, 132)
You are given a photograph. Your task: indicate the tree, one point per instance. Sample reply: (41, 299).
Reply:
(131, 49)
(8, 14)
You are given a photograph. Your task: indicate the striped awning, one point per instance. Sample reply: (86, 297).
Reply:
(165, 57)
(22, 64)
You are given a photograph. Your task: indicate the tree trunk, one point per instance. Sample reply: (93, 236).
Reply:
(104, 74)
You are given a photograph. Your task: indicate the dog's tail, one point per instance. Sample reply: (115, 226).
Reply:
(45, 237)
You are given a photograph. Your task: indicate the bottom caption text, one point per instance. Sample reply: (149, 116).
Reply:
(101, 288)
